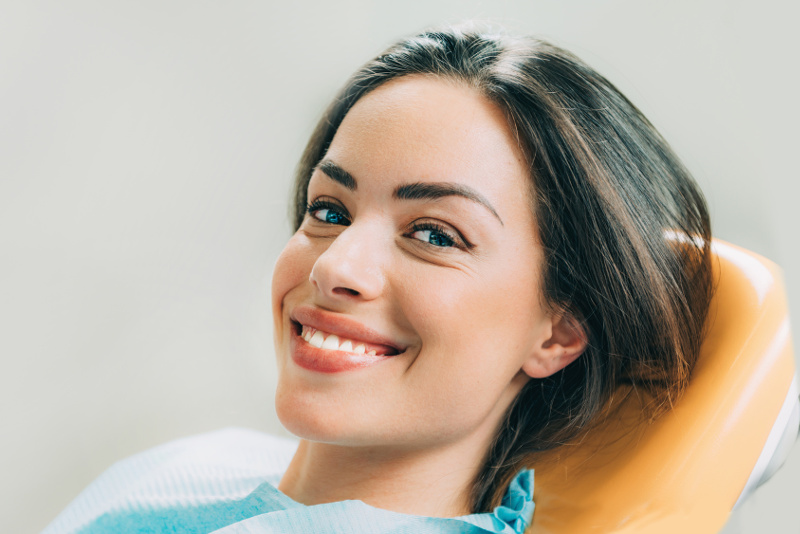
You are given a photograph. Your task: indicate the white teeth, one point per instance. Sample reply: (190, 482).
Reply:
(321, 340)
(317, 339)
(331, 342)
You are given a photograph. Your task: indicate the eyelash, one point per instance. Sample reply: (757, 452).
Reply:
(320, 204)
(457, 241)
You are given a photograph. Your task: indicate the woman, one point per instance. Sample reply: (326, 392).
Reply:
(490, 240)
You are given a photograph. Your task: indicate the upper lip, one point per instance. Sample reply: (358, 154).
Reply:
(342, 326)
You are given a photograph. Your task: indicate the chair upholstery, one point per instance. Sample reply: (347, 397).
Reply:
(686, 471)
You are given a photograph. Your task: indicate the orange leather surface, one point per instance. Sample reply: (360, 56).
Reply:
(683, 472)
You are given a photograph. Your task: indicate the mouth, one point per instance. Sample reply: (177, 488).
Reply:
(327, 341)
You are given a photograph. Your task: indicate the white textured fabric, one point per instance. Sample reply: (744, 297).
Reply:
(225, 482)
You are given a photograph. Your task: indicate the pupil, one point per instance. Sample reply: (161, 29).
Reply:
(440, 240)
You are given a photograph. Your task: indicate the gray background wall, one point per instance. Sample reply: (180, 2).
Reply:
(146, 150)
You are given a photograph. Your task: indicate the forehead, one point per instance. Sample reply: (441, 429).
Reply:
(427, 128)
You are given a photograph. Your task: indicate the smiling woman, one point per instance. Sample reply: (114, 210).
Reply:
(426, 243)
(481, 257)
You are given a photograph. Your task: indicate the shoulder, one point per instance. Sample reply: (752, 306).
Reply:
(227, 463)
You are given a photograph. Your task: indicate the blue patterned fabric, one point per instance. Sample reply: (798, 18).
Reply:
(225, 482)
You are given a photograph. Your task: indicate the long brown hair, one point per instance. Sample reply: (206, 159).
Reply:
(624, 227)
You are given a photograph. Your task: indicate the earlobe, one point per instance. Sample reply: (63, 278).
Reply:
(566, 342)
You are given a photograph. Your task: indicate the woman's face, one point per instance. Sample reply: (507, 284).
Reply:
(419, 244)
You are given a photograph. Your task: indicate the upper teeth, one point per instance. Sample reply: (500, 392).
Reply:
(323, 340)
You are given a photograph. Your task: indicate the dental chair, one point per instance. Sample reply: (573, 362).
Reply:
(733, 428)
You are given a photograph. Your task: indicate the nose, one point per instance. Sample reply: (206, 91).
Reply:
(350, 268)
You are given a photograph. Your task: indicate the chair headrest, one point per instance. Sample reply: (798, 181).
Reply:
(687, 469)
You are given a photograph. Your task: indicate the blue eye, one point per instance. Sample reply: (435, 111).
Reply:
(434, 235)
(327, 212)
(329, 216)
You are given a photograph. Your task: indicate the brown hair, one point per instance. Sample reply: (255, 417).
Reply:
(624, 227)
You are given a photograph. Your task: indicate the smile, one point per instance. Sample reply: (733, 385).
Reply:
(322, 352)
(333, 342)
(323, 340)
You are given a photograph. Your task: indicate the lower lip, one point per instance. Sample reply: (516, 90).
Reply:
(328, 361)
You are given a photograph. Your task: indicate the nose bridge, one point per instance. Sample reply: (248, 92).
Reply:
(352, 265)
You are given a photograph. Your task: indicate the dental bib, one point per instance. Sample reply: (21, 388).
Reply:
(225, 482)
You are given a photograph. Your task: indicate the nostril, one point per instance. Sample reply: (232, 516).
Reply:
(346, 291)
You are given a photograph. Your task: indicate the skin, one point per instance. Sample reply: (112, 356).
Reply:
(462, 301)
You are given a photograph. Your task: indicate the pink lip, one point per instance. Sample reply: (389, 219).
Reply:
(341, 326)
(330, 361)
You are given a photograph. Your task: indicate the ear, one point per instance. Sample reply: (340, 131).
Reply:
(560, 345)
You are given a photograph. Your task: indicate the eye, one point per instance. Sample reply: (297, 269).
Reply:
(436, 235)
(328, 212)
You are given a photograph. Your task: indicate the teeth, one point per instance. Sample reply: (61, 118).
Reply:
(331, 342)
(317, 339)
(322, 340)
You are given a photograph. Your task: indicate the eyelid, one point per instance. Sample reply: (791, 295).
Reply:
(323, 202)
(459, 241)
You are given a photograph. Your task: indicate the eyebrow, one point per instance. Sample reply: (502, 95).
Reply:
(434, 190)
(337, 174)
(415, 191)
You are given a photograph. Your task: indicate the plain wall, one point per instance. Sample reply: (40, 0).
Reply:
(146, 153)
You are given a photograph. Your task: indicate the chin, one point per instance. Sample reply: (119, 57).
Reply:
(310, 420)
(325, 417)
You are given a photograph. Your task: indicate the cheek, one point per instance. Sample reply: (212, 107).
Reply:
(476, 331)
(497, 307)
(291, 270)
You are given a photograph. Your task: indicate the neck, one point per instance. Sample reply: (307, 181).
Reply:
(433, 483)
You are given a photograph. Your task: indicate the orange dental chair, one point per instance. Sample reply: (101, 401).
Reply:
(732, 429)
